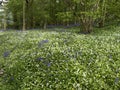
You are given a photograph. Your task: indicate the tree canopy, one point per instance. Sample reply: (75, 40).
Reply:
(41, 13)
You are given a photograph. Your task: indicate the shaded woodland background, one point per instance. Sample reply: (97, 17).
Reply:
(35, 14)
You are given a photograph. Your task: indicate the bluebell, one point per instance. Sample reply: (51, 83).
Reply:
(43, 42)
(40, 59)
(116, 80)
(49, 64)
(6, 53)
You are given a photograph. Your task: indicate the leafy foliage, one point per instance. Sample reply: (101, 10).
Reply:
(41, 60)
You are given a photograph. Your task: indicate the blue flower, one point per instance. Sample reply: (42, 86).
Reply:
(11, 78)
(77, 24)
(116, 80)
(49, 64)
(6, 54)
(43, 42)
(46, 63)
(40, 59)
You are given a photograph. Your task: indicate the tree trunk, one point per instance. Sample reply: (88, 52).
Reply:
(103, 16)
(24, 16)
(86, 25)
(5, 21)
(45, 25)
(5, 18)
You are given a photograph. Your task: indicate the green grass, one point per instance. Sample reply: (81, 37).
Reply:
(43, 60)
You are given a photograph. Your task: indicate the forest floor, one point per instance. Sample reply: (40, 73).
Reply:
(60, 59)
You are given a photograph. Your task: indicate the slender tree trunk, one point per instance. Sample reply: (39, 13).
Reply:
(104, 14)
(24, 24)
(33, 22)
(5, 21)
(45, 25)
(102, 21)
(5, 18)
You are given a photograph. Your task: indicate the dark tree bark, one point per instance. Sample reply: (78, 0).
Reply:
(24, 18)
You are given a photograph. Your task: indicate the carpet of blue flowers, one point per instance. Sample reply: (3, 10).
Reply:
(42, 60)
